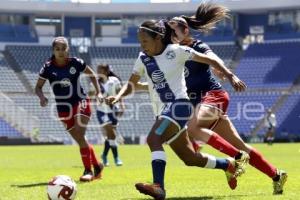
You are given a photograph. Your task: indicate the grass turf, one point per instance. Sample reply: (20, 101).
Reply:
(25, 171)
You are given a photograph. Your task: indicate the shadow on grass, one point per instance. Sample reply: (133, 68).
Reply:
(30, 185)
(216, 197)
(40, 184)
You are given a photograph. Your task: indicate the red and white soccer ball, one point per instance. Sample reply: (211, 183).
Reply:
(61, 187)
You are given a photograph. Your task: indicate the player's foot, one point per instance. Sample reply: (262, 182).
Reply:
(278, 185)
(241, 161)
(87, 176)
(118, 162)
(153, 190)
(97, 171)
(104, 160)
(230, 174)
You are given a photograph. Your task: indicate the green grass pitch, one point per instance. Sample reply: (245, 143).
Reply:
(25, 171)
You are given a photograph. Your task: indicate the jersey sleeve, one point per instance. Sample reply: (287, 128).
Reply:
(138, 68)
(203, 48)
(118, 84)
(43, 74)
(185, 53)
(81, 64)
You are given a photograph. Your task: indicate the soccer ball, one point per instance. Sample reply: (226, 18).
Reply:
(61, 187)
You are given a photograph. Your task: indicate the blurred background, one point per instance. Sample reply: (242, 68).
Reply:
(261, 44)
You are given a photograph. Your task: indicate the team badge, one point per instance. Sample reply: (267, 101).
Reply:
(72, 70)
(170, 55)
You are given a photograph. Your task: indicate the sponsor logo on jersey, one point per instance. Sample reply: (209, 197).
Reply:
(65, 82)
(72, 70)
(170, 55)
(157, 76)
(158, 79)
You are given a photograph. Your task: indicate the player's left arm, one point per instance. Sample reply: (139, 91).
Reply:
(88, 70)
(218, 64)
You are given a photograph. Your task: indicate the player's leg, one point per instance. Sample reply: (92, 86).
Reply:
(270, 135)
(227, 130)
(155, 141)
(113, 139)
(198, 129)
(183, 148)
(81, 118)
(106, 127)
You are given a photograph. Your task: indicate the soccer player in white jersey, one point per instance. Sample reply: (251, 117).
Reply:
(110, 85)
(163, 66)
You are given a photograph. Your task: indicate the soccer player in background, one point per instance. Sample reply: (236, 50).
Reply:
(72, 104)
(208, 96)
(270, 123)
(110, 85)
(163, 66)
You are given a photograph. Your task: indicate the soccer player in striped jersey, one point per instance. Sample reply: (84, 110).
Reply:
(209, 97)
(72, 105)
(163, 66)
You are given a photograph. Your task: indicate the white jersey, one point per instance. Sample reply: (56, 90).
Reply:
(109, 88)
(270, 121)
(165, 73)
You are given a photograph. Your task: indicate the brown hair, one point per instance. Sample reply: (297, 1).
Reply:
(206, 17)
(107, 68)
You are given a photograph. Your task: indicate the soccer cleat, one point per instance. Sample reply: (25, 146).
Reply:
(153, 190)
(230, 173)
(104, 160)
(278, 185)
(87, 176)
(241, 163)
(97, 171)
(118, 162)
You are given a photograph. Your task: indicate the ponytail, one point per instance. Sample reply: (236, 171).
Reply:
(206, 16)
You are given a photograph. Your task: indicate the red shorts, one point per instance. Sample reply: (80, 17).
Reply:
(83, 107)
(216, 98)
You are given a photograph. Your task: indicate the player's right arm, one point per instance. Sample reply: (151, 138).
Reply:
(142, 86)
(39, 91)
(127, 89)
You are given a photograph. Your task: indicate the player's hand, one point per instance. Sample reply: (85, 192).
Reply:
(43, 101)
(110, 100)
(100, 98)
(237, 84)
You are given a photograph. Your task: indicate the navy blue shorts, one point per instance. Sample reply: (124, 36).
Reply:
(107, 118)
(178, 112)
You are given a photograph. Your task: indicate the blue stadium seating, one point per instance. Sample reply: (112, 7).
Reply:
(6, 130)
(270, 65)
(288, 117)
(247, 109)
(17, 33)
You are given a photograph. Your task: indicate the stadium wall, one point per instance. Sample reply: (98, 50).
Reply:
(113, 9)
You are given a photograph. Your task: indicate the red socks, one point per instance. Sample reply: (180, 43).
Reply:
(222, 145)
(94, 159)
(258, 161)
(86, 157)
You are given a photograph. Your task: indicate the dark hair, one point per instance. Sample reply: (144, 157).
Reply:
(154, 28)
(107, 68)
(56, 40)
(206, 16)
